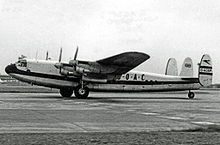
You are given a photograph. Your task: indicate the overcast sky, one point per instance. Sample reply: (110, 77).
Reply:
(101, 28)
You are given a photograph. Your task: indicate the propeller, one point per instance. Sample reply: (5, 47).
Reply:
(74, 62)
(77, 71)
(59, 64)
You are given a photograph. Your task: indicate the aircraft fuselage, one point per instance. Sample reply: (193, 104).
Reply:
(44, 73)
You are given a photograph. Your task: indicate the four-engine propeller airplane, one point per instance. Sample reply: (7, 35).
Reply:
(109, 74)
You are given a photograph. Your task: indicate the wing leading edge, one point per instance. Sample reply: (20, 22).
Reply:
(124, 62)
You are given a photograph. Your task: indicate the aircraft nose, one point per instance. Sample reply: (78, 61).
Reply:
(10, 68)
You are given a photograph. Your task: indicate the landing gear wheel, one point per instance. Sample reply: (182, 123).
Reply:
(191, 95)
(81, 93)
(66, 92)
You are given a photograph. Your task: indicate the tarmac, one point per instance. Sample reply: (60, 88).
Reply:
(109, 112)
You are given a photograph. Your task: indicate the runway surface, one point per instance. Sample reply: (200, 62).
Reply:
(108, 112)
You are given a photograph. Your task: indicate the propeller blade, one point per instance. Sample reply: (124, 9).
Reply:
(76, 53)
(60, 57)
(47, 55)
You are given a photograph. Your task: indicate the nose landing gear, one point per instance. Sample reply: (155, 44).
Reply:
(191, 95)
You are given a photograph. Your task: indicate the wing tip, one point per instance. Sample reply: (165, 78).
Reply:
(146, 56)
(130, 54)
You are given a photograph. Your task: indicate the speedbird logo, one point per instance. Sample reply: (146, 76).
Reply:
(188, 65)
(207, 61)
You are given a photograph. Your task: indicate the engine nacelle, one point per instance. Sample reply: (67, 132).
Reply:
(68, 73)
(82, 70)
(78, 70)
(64, 72)
(73, 62)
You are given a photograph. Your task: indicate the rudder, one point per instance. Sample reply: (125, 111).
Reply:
(205, 70)
(171, 68)
(187, 68)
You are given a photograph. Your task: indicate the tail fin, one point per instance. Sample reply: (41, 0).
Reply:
(205, 70)
(187, 68)
(171, 68)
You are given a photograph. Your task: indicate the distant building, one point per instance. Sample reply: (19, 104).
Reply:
(7, 78)
(215, 86)
(11, 81)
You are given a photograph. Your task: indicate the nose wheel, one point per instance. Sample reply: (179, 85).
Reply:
(81, 92)
(191, 95)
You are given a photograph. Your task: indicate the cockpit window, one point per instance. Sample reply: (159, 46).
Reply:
(22, 63)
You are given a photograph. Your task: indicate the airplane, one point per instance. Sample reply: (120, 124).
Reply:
(109, 74)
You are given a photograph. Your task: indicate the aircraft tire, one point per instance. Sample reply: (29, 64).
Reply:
(191, 95)
(81, 93)
(66, 92)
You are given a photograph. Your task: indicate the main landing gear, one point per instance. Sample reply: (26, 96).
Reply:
(191, 95)
(81, 92)
(66, 92)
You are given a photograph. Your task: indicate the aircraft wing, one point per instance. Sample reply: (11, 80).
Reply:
(124, 62)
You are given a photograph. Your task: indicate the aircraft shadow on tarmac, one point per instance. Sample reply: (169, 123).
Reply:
(138, 98)
(44, 96)
(112, 99)
(125, 100)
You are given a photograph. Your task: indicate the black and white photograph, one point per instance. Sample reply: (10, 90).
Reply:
(112, 72)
